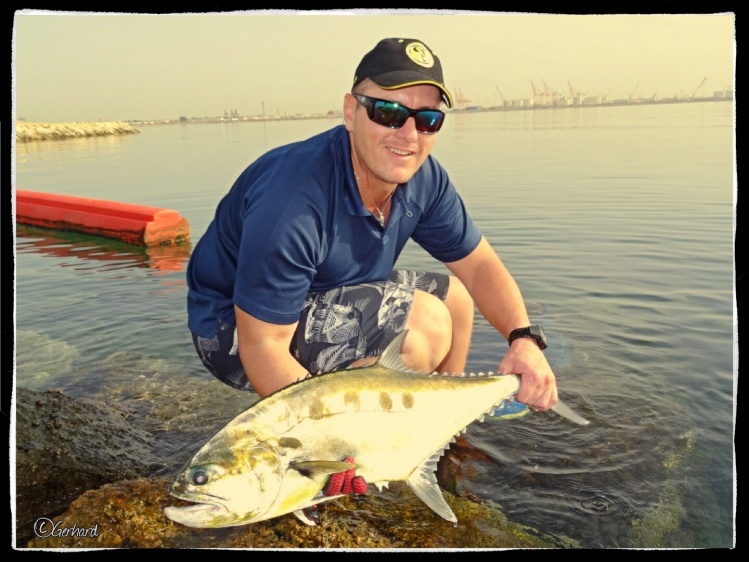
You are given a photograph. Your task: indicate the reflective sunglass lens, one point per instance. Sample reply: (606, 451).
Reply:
(390, 115)
(428, 121)
(394, 116)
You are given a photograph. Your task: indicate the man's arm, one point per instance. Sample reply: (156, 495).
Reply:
(264, 351)
(499, 300)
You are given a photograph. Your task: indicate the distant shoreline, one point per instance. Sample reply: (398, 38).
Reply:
(569, 104)
(26, 132)
(55, 131)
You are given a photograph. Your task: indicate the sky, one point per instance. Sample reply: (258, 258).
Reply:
(78, 66)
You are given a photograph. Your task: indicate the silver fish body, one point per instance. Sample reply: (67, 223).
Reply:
(276, 457)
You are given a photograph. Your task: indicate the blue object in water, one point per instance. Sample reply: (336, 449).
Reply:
(510, 409)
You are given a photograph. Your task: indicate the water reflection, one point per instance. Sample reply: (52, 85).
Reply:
(31, 239)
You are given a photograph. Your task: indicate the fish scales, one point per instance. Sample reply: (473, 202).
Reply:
(393, 421)
(389, 421)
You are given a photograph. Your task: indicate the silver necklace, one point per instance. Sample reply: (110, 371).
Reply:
(380, 212)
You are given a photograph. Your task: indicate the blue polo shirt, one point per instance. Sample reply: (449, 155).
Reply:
(294, 222)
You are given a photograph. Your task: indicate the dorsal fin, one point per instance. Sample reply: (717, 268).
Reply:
(391, 357)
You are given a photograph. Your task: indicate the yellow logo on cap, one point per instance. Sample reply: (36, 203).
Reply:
(418, 53)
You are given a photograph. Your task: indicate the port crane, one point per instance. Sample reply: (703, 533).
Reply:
(698, 88)
(505, 103)
(549, 92)
(574, 92)
(460, 100)
(538, 95)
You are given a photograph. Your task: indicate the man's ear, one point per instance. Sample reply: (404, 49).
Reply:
(349, 109)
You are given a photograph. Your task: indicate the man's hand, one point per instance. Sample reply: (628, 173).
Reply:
(538, 386)
(345, 482)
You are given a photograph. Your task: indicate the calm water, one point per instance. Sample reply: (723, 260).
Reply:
(617, 222)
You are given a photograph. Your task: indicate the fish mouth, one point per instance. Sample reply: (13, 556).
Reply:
(198, 515)
(205, 510)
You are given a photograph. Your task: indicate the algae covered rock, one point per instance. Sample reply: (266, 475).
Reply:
(65, 446)
(129, 514)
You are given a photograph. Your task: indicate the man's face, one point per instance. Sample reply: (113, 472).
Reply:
(389, 155)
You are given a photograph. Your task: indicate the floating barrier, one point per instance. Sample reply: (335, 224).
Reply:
(135, 224)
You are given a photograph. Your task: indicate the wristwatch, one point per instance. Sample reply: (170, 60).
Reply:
(535, 332)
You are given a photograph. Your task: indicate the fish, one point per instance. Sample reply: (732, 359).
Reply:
(276, 457)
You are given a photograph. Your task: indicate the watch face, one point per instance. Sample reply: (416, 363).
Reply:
(538, 332)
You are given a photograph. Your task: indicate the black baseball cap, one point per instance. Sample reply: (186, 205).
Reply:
(399, 63)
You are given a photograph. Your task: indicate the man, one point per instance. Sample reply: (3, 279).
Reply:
(294, 275)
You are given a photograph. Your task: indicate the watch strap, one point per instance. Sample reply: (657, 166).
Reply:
(528, 332)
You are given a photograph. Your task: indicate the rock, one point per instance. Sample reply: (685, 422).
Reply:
(129, 514)
(65, 446)
(54, 131)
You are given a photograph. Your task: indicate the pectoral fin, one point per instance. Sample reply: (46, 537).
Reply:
(320, 468)
(317, 500)
(299, 514)
(424, 484)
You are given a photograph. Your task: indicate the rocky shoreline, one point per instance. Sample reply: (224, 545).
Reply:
(26, 132)
(92, 475)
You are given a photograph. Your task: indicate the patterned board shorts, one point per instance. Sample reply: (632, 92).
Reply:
(336, 327)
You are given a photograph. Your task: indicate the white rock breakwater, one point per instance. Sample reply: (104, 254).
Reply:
(56, 131)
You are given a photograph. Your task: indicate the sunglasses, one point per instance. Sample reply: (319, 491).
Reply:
(393, 115)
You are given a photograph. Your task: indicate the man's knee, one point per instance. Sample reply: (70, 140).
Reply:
(430, 332)
(459, 303)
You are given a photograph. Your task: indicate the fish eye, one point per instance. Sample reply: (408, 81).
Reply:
(198, 476)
